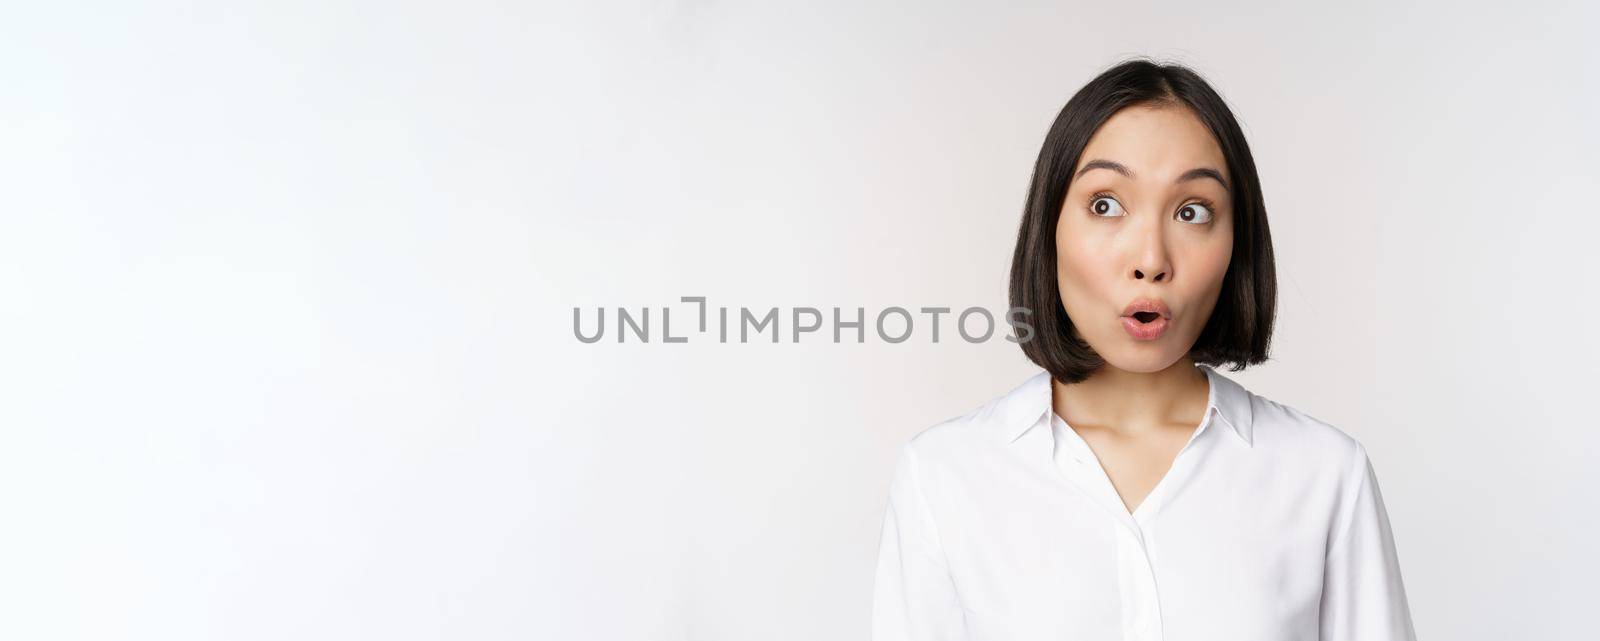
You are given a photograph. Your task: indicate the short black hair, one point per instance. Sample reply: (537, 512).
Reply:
(1240, 328)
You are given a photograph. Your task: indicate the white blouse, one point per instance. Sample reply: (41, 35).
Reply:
(1002, 525)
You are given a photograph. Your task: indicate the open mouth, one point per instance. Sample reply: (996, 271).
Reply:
(1145, 317)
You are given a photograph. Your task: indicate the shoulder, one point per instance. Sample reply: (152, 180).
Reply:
(958, 433)
(982, 428)
(1295, 437)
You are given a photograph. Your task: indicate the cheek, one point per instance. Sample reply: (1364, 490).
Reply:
(1211, 266)
(1215, 261)
(1082, 265)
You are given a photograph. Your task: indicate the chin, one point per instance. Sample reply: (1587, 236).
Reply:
(1142, 359)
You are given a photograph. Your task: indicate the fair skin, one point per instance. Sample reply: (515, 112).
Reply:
(1143, 224)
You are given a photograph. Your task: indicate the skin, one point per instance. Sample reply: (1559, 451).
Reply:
(1140, 409)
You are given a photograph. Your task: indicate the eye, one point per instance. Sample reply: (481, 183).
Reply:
(1105, 205)
(1197, 213)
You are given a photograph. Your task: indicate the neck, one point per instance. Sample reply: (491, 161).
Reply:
(1134, 403)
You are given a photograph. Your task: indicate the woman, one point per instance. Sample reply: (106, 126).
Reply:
(1129, 490)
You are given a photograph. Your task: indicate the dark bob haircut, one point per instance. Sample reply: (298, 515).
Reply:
(1240, 328)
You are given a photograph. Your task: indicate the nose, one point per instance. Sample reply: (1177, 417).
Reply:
(1152, 262)
(1139, 274)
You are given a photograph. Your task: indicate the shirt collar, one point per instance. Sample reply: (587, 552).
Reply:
(1029, 405)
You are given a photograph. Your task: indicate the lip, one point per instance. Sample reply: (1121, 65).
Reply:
(1148, 305)
(1146, 331)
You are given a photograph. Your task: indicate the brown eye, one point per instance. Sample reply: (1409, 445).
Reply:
(1105, 206)
(1195, 213)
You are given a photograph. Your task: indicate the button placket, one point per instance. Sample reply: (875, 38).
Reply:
(1141, 604)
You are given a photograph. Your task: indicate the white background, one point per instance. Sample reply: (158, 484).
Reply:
(286, 294)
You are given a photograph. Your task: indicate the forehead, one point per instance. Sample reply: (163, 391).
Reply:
(1156, 142)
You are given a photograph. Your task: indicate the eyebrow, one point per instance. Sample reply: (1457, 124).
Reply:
(1193, 174)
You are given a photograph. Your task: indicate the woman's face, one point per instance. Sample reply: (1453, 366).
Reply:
(1147, 217)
